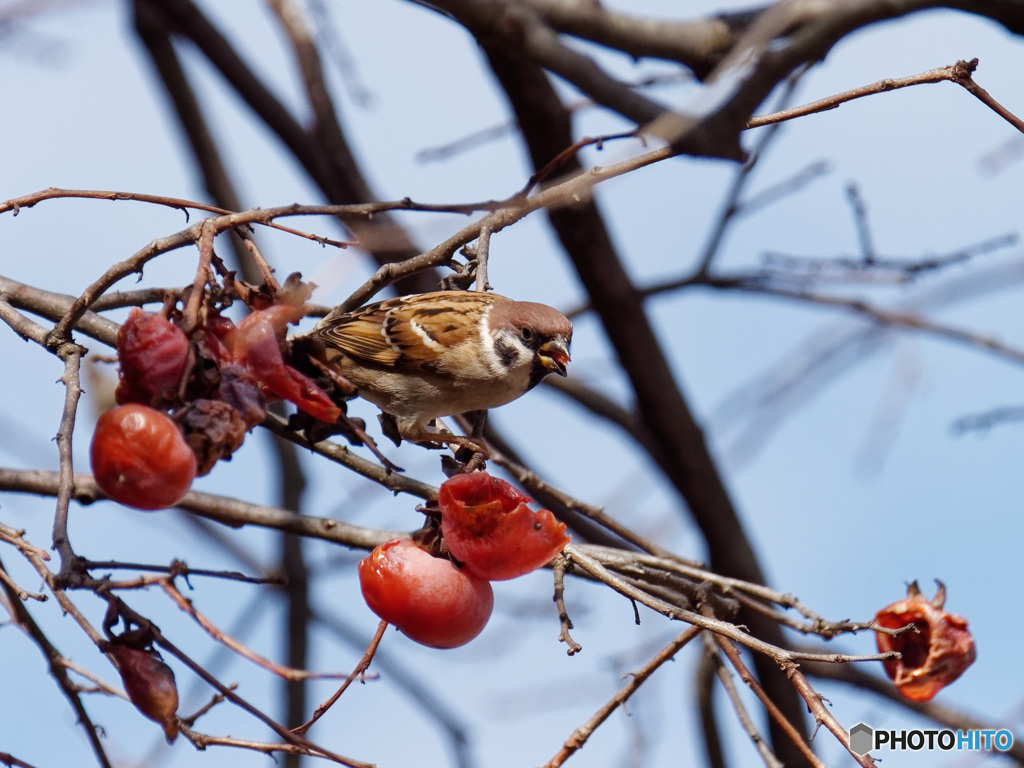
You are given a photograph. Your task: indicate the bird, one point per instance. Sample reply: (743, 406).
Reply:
(424, 356)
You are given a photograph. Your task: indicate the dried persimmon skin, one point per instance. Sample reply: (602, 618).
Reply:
(214, 430)
(255, 344)
(934, 653)
(150, 685)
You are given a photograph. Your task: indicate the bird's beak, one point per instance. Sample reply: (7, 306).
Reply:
(554, 355)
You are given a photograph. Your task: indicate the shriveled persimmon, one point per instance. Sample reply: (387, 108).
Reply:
(153, 355)
(150, 685)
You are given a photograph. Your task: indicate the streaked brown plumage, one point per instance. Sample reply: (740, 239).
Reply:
(429, 355)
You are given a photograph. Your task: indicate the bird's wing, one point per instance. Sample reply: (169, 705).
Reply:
(409, 331)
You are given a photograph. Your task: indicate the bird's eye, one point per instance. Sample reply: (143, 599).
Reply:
(526, 333)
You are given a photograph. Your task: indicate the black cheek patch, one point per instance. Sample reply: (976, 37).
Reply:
(507, 353)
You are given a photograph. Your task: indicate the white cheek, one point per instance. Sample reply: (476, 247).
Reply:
(508, 354)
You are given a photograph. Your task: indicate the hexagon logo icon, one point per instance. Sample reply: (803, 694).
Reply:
(861, 738)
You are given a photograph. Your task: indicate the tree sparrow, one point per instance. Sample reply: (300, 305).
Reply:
(429, 355)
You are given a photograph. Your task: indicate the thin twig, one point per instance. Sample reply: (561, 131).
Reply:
(893, 318)
(72, 355)
(6, 758)
(216, 699)
(226, 640)
(190, 315)
(734, 658)
(53, 306)
(17, 538)
(756, 283)
(52, 583)
(580, 736)
(763, 748)
(962, 76)
(480, 255)
(580, 556)
(53, 193)
(951, 73)
(101, 685)
(179, 568)
(222, 509)
(360, 668)
(821, 713)
(391, 480)
(58, 669)
(558, 568)
(502, 215)
(741, 177)
(129, 615)
(860, 218)
(982, 422)
(202, 741)
(22, 593)
(20, 324)
(705, 694)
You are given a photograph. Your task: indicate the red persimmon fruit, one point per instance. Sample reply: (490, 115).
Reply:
(140, 458)
(488, 527)
(426, 597)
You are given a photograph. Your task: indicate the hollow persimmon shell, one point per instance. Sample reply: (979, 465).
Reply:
(489, 528)
(140, 458)
(426, 597)
(933, 656)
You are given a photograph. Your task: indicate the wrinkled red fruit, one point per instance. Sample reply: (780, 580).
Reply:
(488, 527)
(255, 344)
(213, 430)
(140, 458)
(426, 597)
(239, 389)
(149, 684)
(933, 656)
(153, 355)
